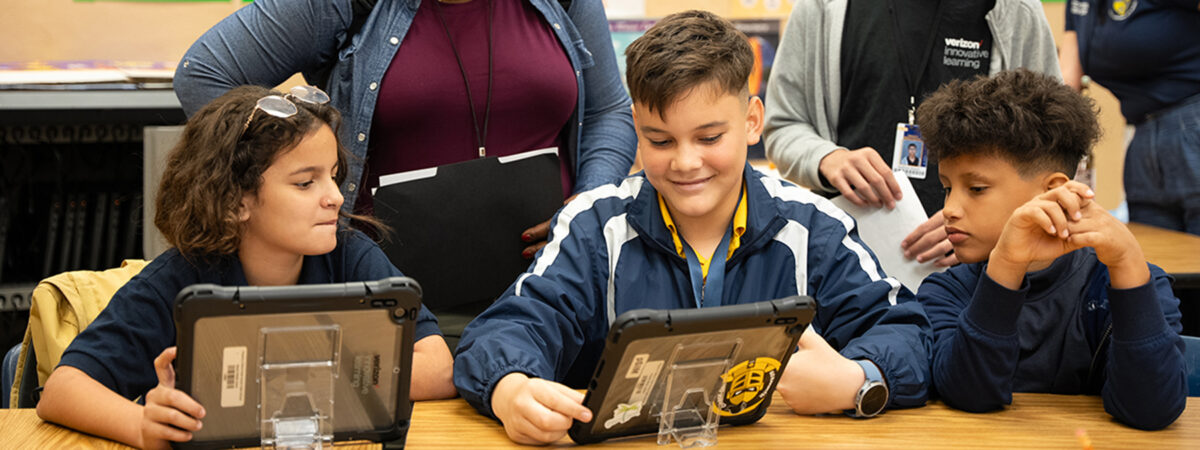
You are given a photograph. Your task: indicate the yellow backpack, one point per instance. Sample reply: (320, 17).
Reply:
(61, 307)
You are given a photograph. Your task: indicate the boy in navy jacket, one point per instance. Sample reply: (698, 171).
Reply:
(1055, 295)
(697, 228)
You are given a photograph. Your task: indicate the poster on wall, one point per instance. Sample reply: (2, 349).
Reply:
(764, 40)
(624, 32)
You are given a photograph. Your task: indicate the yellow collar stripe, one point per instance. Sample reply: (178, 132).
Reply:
(739, 228)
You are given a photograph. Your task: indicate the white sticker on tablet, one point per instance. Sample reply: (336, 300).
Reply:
(635, 366)
(622, 414)
(645, 383)
(233, 377)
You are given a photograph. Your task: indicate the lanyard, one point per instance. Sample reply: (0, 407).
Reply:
(480, 137)
(708, 292)
(914, 84)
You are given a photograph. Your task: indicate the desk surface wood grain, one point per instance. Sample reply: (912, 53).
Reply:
(1176, 252)
(1034, 420)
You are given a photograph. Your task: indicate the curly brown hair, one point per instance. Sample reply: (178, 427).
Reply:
(216, 163)
(1031, 120)
(685, 50)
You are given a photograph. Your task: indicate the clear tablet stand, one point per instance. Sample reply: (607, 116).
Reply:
(298, 367)
(693, 378)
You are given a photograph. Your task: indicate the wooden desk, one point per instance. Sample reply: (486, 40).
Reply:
(1177, 253)
(1034, 420)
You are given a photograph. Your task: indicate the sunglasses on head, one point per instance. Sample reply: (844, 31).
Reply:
(279, 105)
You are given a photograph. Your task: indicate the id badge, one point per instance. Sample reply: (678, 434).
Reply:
(909, 156)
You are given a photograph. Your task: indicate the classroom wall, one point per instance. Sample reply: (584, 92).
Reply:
(162, 31)
(72, 30)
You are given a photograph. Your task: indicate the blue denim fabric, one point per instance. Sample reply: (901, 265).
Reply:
(268, 41)
(1162, 168)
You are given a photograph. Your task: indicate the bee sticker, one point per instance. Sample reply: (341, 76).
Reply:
(745, 386)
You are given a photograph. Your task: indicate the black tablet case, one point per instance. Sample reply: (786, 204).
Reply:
(377, 318)
(767, 329)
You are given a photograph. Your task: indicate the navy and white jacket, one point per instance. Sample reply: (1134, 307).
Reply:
(609, 252)
(1065, 331)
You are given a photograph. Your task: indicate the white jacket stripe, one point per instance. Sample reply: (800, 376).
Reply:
(616, 233)
(795, 237)
(562, 226)
(775, 187)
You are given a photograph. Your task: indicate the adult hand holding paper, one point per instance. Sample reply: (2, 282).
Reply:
(884, 229)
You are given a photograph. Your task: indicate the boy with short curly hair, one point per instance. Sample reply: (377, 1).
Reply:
(1055, 294)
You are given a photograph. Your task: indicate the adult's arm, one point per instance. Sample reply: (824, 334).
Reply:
(263, 43)
(1146, 377)
(608, 143)
(1026, 41)
(794, 137)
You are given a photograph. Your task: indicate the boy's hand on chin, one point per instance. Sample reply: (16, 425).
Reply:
(818, 379)
(1115, 246)
(1039, 230)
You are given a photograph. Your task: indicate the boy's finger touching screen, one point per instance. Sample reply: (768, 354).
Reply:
(537, 411)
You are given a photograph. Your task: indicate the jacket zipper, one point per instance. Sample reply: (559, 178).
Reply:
(1096, 356)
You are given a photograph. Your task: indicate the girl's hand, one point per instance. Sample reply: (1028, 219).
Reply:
(169, 414)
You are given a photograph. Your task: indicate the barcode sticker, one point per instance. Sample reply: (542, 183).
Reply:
(233, 377)
(645, 383)
(635, 366)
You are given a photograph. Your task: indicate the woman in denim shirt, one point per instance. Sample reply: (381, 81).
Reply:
(374, 78)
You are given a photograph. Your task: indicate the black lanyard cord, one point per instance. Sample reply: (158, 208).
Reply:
(480, 136)
(904, 67)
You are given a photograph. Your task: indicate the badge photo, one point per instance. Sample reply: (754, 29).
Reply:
(909, 156)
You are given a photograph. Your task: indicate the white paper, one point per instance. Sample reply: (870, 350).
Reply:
(624, 9)
(884, 229)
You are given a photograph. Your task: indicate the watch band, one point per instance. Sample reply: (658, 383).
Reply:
(872, 389)
(872, 372)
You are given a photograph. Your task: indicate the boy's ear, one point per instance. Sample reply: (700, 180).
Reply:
(755, 120)
(1054, 180)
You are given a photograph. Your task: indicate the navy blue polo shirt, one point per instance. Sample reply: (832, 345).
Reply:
(1147, 52)
(119, 347)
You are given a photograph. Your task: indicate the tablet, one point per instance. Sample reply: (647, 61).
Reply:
(301, 347)
(736, 353)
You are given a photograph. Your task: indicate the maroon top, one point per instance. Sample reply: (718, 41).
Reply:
(421, 117)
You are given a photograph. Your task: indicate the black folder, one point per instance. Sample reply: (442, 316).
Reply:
(457, 228)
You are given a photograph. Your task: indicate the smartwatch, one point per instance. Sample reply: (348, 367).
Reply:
(872, 397)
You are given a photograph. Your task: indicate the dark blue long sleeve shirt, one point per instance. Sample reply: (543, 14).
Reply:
(1065, 331)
